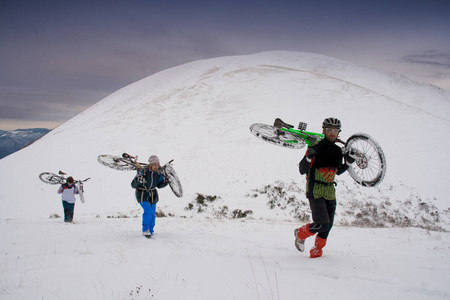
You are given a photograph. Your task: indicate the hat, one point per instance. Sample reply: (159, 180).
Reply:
(153, 160)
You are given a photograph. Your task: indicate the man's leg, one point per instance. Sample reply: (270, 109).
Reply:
(152, 217)
(146, 216)
(71, 208)
(66, 211)
(331, 210)
(323, 216)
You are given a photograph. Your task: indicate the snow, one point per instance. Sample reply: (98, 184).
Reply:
(199, 115)
(217, 259)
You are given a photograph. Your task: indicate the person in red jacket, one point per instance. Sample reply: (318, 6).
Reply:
(321, 163)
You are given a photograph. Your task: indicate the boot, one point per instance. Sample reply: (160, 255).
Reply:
(300, 236)
(316, 251)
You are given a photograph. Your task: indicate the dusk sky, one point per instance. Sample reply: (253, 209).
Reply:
(59, 57)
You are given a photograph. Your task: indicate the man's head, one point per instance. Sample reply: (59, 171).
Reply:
(331, 128)
(69, 180)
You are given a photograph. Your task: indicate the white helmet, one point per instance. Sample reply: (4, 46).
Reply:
(331, 122)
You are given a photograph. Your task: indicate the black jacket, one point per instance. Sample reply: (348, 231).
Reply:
(322, 169)
(146, 189)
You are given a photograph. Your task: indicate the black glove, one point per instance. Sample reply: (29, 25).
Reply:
(311, 152)
(349, 160)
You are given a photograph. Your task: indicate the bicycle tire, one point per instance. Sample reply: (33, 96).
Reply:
(370, 169)
(274, 136)
(51, 178)
(116, 162)
(174, 181)
(80, 191)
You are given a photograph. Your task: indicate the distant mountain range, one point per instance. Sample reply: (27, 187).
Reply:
(14, 140)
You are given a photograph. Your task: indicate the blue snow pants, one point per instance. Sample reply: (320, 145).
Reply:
(148, 217)
(68, 211)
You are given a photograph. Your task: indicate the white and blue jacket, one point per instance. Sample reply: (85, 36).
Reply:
(68, 193)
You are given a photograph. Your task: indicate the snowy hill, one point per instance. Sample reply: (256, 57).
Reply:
(199, 115)
(13, 140)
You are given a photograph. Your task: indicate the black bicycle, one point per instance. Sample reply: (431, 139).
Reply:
(52, 178)
(127, 162)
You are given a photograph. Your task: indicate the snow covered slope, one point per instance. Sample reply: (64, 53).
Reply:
(199, 114)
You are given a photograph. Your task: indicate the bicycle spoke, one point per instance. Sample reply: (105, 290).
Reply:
(174, 181)
(51, 178)
(370, 167)
(116, 162)
(277, 137)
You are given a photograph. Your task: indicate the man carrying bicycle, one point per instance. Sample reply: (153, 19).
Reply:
(68, 192)
(321, 163)
(145, 182)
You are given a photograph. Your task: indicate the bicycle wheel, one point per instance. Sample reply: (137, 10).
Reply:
(174, 181)
(80, 191)
(370, 166)
(116, 162)
(51, 178)
(274, 136)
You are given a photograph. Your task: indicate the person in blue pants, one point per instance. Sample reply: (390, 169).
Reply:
(68, 191)
(146, 183)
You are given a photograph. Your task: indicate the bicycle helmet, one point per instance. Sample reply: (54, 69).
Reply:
(331, 122)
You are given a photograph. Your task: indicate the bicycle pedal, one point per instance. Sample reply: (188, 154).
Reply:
(302, 126)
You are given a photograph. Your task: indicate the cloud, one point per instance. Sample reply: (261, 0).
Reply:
(431, 58)
(42, 105)
(438, 63)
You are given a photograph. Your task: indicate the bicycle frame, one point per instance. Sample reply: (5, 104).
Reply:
(310, 138)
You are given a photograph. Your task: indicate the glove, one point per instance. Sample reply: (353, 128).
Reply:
(141, 179)
(348, 159)
(311, 153)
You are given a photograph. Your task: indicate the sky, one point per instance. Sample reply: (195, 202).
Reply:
(58, 58)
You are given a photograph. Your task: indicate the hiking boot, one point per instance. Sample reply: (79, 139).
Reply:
(147, 234)
(299, 244)
(300, 236)
(316, 251)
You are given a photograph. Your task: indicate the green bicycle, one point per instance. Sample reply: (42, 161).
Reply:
(370, 162)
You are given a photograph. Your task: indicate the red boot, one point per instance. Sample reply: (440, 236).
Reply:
(300, 236)
(316, 251)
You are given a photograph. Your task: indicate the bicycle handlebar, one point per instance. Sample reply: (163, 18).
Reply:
(83, 180)
(78, 180)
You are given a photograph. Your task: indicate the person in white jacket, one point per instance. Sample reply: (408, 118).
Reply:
(68, 192)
